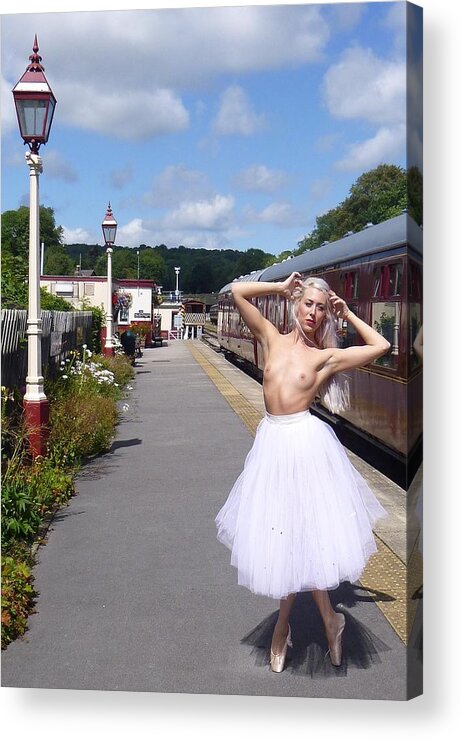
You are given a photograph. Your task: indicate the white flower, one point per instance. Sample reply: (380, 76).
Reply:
(129, 387)
(84, 346)
(65, 377)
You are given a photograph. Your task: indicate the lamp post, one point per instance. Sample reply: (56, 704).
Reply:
(35, 105)
(109, 227)
(177, 273)
(138, 271)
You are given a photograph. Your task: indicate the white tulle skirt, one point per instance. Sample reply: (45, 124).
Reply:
(299, 517)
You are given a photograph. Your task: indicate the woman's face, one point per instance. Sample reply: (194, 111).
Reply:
(312, 310)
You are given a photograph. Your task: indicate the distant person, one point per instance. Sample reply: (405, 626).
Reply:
(128, 342)
(300, 517)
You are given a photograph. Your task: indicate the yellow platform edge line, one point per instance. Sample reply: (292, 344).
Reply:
(386, 578)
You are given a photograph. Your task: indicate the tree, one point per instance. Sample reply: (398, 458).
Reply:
(152, 266)
(375, 196)
(50, 302)
(15, 251)
(57, 261)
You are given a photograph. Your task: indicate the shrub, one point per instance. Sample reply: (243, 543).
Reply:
(18, 596)
(50, 485)
(120, 365)
(80, 426)
(20, 517)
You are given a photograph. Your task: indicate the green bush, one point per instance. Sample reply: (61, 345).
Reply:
(18, 597)
(50, 302)
(20, 517)
(50, 485)
(120, 365)
(81, 425)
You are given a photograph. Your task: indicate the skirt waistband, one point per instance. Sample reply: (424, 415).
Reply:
(287, 418)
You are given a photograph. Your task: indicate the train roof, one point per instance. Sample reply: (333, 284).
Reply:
(392, 233)
(250, 278)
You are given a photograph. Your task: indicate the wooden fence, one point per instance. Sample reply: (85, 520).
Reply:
(62, 331)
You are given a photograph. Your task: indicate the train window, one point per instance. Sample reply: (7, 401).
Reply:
(350, 285)
(348, 336)
(415, 281)
(387, 280)
(386, 318)
(394, 279)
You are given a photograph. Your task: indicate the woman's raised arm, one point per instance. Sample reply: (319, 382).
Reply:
(243, 292)
(375, 344)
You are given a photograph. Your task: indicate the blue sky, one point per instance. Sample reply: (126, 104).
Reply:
(216, 127)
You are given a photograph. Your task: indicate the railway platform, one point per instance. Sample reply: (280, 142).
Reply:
(136, 593)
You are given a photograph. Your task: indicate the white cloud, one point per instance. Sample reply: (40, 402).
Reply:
(365, 86)
(236, 114)
(345, 16)
(278, 214)
(75, 236)
(151, 231)
(138, 63)
(177, 183)
(133, 233)
(384, 147)
(396, 21)
(213, 214)
(133, 114)
(260, 179)
(9, 119)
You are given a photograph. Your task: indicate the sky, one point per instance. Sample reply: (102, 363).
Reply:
(216, 127)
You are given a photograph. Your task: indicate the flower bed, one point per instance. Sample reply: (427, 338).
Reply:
(83, 413)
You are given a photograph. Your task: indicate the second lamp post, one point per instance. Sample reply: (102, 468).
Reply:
(109, 227)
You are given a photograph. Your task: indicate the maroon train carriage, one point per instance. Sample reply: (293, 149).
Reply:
(378, 271)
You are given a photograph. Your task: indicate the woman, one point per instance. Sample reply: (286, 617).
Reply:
(300, 517)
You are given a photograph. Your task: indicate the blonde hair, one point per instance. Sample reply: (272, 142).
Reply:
(326, 335)
(335, 394)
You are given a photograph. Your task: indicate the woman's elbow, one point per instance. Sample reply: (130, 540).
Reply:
(383, 346)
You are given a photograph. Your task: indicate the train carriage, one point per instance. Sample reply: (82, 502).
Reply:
(378, 271)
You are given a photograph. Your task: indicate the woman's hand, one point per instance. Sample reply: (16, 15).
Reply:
(290, 284)
(339, 307)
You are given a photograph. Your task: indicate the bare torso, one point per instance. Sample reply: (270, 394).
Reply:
(293, 373)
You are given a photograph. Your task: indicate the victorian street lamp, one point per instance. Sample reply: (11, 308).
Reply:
(138, 258)
(177, 273)
(109, 227)
(35, 105)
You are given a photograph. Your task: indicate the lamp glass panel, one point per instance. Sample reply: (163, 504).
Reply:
(109, 234)
(32, 114)
(49, 118)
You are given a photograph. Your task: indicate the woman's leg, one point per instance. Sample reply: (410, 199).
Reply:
(333, 621)
(281, 628)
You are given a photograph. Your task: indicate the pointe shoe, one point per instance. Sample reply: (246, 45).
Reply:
(277, 660)
(335, 650)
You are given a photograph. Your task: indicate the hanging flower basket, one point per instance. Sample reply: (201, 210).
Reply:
(120, 300)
